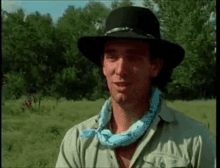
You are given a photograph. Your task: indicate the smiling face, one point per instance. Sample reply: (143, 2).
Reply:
(129, 62)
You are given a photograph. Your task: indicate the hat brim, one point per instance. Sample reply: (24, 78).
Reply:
(93, 46)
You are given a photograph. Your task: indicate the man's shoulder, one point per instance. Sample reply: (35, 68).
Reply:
(89, 123)
(188, 124)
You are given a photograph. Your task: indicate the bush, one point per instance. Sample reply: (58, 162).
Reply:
(14, 87)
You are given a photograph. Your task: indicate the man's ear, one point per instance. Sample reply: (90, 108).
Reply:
(156, 67)
(103, 69)
(102, 63)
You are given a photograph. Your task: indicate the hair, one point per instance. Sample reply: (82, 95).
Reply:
(161, 80)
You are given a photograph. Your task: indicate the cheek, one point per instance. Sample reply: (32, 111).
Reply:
(142, 72)
(105, 69)
(107, 73)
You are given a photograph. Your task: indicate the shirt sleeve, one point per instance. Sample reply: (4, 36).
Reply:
(204, 154)
(69, 155)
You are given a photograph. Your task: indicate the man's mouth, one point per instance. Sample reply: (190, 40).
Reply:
(122, 84)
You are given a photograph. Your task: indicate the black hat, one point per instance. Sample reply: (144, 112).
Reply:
(136, 24)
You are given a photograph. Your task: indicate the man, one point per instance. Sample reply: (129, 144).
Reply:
(135, 128)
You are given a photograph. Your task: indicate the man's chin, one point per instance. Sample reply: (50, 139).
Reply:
(127, 97)
(122, 98)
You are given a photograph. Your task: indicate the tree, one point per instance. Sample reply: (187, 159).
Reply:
(77, 22)
(148, 4)
(188, 27)
(32, 49)
(116, 4)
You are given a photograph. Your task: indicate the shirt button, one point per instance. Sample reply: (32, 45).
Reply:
(162, 165)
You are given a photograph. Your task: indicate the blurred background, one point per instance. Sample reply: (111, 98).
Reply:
(40, 55)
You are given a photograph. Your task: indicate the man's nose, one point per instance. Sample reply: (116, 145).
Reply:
(122, 66)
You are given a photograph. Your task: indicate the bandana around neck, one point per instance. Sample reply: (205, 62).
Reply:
(135, 131)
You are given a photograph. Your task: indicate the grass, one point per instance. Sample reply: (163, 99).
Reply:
(32, 137)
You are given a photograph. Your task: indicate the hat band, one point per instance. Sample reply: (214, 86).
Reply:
(117, 29)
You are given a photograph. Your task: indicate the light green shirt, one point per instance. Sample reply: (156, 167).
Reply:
(172, 140)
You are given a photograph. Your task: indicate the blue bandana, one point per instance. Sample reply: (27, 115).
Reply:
(135, 131)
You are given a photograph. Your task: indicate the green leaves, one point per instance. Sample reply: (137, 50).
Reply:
(47, 56)
(124, 3)
(15, 86)
(187, 23)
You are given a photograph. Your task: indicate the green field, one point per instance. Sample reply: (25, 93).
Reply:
(32, 137)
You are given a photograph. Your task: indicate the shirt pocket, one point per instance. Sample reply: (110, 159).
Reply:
(158, 160)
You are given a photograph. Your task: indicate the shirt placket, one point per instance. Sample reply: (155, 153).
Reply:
(146, 138)
(143, 143)
(114, 162)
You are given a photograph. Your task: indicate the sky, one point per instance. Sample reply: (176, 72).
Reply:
(55, 8)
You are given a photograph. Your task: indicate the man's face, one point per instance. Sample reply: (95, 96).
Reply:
(129, 62)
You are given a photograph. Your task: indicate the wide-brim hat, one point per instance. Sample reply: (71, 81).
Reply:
(136, 24)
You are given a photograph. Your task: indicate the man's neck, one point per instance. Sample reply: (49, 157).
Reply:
(123, 116)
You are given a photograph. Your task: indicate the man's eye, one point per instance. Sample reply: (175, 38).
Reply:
(110, 57)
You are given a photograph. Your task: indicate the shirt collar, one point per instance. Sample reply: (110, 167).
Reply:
(165, 113)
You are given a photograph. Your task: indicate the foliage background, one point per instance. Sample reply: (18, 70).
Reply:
(41, 58)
